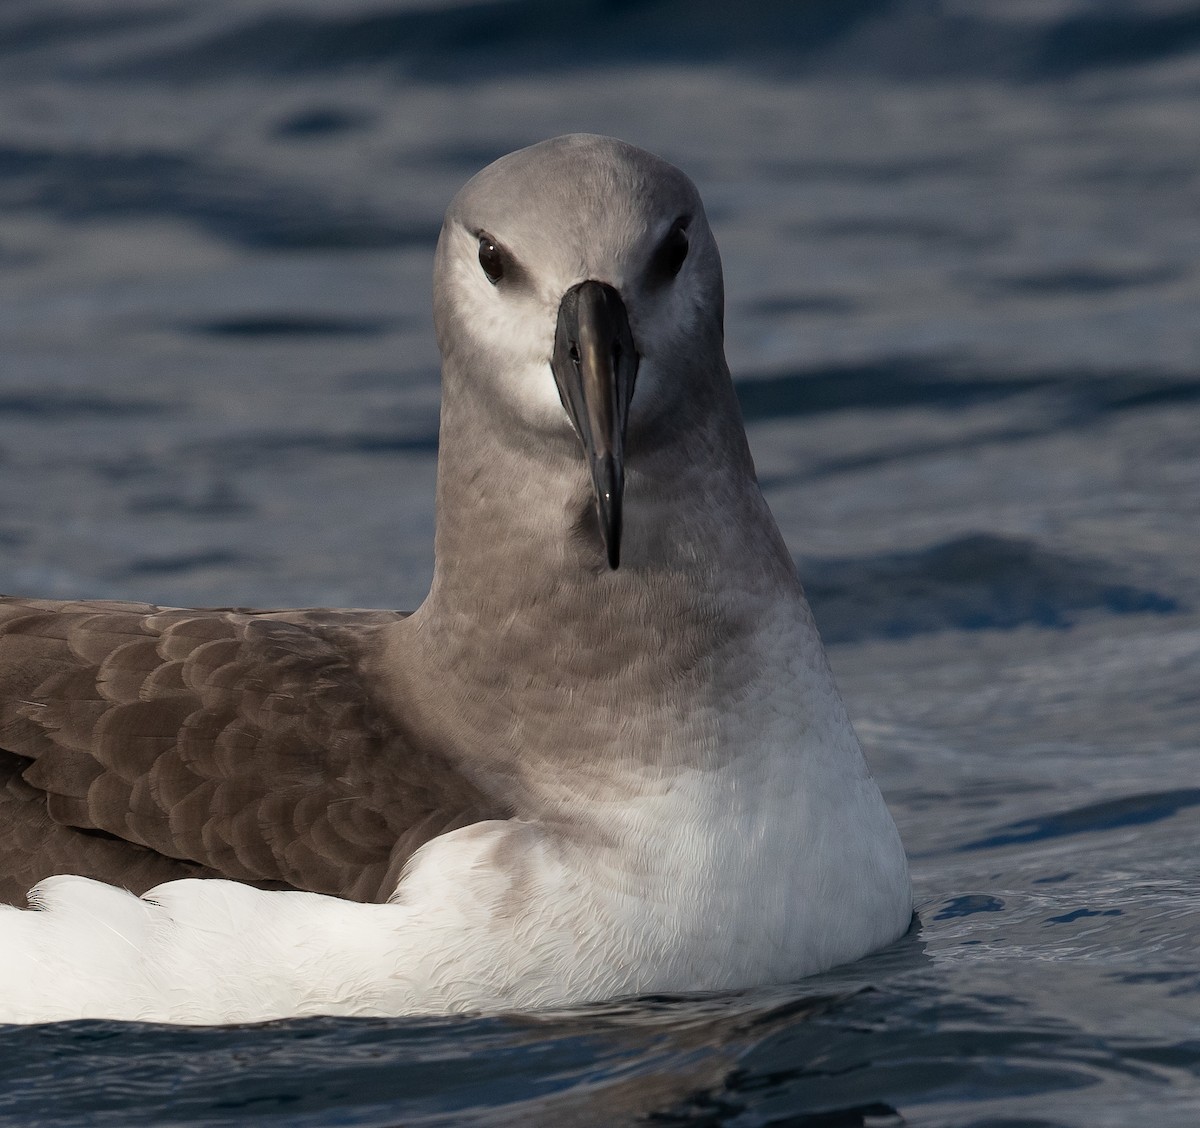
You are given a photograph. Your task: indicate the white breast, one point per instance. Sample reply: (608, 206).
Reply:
(495, 916)
(778, 861)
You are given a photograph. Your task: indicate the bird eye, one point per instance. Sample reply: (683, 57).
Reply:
(491, 258)
(668, 259)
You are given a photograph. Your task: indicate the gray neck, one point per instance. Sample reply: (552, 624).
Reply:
(517, 531)
(525, 611)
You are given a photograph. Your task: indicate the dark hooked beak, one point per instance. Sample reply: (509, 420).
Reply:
(595, 365)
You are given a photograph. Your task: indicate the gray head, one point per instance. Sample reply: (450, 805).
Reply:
(579, 281)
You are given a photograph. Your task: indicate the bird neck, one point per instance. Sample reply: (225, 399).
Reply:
(518, 537)
(704, 610)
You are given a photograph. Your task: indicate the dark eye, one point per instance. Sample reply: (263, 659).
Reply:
(668, 259)
(491, 258)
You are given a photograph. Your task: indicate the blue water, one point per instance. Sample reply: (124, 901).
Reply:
(963, 273)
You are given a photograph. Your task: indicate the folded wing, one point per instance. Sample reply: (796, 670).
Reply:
(140, 744)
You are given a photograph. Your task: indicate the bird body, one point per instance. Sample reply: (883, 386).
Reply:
(605, 756)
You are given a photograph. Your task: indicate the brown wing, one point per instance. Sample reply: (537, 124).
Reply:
(139, 744)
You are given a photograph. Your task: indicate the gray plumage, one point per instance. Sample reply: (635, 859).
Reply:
(141, 745)
(635, 696)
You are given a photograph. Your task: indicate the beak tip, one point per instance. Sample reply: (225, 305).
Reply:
(608, 512)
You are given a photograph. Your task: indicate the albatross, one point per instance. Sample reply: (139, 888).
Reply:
(604, 757)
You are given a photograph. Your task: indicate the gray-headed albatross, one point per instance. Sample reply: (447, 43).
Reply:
(604, 757)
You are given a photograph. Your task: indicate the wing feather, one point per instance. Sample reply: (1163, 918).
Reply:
(140, 743)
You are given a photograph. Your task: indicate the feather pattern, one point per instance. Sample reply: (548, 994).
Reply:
(596, 780)
(140, 744)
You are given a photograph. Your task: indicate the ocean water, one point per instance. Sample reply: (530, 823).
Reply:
(962, 250)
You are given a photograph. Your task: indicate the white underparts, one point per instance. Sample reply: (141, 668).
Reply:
(779, 863)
